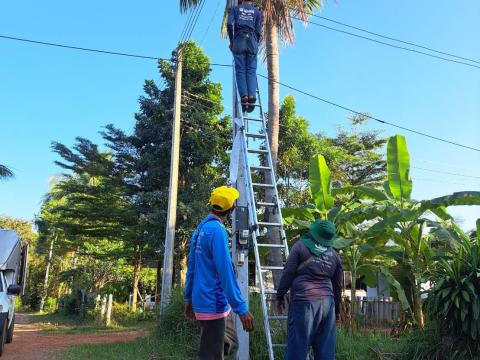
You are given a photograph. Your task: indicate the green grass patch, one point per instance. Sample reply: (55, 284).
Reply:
(177, 338)
(367, 345)
(58, 323)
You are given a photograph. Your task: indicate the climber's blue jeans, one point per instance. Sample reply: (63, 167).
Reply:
(245, 48)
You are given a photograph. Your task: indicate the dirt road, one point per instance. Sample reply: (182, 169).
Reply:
(30, 343)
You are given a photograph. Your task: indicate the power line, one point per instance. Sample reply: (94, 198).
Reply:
(210, 23)
(81, 48)
(193, 23)
(386, 44)
(444, 182)
(263, 76)
(187, 24)
(370, 117)
(393, 39)
(443, 164)
(446, 172)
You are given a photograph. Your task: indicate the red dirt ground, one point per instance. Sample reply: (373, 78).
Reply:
(30, 343)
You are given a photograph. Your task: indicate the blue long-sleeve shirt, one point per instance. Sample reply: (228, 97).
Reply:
(244, 18)
(211, 285)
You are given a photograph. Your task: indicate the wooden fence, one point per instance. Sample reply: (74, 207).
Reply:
(375, 311)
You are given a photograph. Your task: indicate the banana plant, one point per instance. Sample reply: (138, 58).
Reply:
(359, 257)
(396, 217)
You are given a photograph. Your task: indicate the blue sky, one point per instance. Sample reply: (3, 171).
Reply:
(56, 94)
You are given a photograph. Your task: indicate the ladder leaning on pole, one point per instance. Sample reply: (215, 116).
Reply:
(263, 200)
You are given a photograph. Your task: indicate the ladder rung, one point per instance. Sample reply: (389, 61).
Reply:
(252, 119)
(260, 223)
(270, 292)
(255, 135)
(272, 245)
(279, 345)
(268, 267)
(265, 168)
(257, 151)
(270, 186)
(266, 204)
(278, 317)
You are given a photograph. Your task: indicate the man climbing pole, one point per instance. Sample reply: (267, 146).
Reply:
(211, 290)
(244, 28)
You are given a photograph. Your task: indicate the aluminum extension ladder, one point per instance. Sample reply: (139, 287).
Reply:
(262, 198)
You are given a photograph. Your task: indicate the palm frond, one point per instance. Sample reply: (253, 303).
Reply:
(5, 172)
(188, 4)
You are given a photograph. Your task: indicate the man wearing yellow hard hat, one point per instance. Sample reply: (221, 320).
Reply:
(211, 290)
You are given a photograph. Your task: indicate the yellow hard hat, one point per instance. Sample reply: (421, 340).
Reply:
(223, 198)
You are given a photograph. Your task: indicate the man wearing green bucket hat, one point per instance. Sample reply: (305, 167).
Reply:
(313, 273)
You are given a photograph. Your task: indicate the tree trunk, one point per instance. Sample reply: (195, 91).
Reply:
(136, 277)
(183, 263)
(418, 306)
(158, 283)
(47, 270)
(273, 235)
(273, 89)
(353, 296)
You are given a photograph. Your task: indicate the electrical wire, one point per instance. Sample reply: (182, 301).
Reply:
(210, 23)
(193, 24)
(81, 48)
(369, 116)
(385, 43)
(187, 24)
(446, 172)
(445, 182)
(303, 92)
(389, 37)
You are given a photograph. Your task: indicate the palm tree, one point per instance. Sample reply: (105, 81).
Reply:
(278, 26)
(5, 172)
(278, 19)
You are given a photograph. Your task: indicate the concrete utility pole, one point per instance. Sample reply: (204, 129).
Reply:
(172, 197)
(240, 227)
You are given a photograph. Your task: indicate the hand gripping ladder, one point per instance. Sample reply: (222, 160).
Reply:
(262, 198)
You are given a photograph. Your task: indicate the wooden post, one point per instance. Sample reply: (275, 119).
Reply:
(109, 310)
(172, 197)
(103, 309)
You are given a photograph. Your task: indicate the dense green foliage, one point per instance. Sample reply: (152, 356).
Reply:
(454, 300)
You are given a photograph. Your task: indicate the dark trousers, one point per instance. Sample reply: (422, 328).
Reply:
(211, 339)
(245, 50)
(311, 323)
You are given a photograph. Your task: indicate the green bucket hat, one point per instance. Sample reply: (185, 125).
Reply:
(320, 237)
(323, 232)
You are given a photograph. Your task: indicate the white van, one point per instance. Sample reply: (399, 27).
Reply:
(13, 268)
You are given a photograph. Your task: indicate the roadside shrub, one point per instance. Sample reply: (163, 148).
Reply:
(454, 301)
(50, 305)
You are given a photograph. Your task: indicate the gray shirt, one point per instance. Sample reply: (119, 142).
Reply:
(320, 278)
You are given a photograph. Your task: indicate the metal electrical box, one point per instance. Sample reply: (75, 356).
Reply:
(243, 232)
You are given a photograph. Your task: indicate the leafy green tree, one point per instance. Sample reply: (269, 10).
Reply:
(297, 145)
(353, 156)
(361, 162)
(205, 142)
(93, 203)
